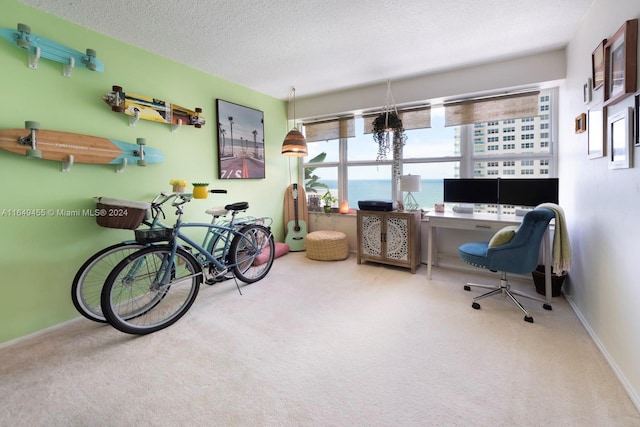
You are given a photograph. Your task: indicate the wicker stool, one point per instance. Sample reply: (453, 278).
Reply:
(327, 245)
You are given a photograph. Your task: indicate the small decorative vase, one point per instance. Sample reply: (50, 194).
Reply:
(200, 191)
(327, 209)
(178, 189)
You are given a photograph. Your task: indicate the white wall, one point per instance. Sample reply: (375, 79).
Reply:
(601, 206)
(546, 68)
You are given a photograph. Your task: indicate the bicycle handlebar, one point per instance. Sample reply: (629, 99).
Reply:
(179, 199)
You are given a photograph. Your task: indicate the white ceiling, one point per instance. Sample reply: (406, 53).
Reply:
(320, 46)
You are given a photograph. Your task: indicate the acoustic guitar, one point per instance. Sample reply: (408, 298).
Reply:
(296, 229)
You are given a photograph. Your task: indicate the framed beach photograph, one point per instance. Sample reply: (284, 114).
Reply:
(597, 65)
(620, 133)
(620, 53)
(597, 146)
(240, 141)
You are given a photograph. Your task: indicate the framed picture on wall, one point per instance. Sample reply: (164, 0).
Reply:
(597, 65)
(620, 133)
(581, 123)
(620, 53)
(240, 141)
(597, 135)
(636, 115)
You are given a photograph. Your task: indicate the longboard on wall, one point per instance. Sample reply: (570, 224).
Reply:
(42, 47)
(72, 148)
(148, 108)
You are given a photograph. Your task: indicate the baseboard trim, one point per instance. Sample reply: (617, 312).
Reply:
(633, 395)
(37, 334)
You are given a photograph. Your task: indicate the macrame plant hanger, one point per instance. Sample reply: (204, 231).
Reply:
(393, 142)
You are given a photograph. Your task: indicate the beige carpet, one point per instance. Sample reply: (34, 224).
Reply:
(322, 344)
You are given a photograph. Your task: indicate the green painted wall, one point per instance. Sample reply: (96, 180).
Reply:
(40, 255)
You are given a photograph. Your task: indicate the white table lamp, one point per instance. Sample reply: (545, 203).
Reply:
(410, 184)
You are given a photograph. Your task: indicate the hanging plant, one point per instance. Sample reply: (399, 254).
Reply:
(388, 133)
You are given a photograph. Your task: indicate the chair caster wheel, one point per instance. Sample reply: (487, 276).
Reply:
(528, 319)
(467, 287)
(547, 307)
(476, 306)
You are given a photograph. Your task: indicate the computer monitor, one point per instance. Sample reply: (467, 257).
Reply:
(528, 191)
(470, 190)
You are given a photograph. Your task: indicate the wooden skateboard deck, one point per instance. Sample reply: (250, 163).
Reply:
(41, 47)
(148, 108)
(56, 145)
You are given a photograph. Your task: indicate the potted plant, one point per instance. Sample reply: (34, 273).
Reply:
(384, 124)
(178, 185)
(328, 200)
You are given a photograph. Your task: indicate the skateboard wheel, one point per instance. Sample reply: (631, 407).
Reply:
(198, 110)
(197, 125)
(116, 88)
(24, 28)
(142, 162)
(31, 125)
(34, 154)
(91, 66)
(91, 52)
(141, 141)
(117, 109)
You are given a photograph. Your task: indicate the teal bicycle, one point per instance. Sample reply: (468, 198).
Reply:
(86, 287)
(155, 286)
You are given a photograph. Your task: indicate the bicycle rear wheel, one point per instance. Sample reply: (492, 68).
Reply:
(134, 301)
(252, 253)
(88, 281)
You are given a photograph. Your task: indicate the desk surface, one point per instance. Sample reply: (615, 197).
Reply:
(480, 222)
(503, 218)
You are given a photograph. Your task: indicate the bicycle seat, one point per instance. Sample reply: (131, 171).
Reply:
(238, 206)
(217, 211)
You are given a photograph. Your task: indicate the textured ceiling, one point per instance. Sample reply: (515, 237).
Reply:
(326, 45)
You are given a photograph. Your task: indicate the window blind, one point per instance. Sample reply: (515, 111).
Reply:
(515, 106)
(330, 129)
(417, 118)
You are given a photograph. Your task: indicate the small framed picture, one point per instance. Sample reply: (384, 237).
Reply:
(597, 65)
(581, 123)
(586, 92)
(597, 135)
(636, 115)
(620, 131)
(620, 55)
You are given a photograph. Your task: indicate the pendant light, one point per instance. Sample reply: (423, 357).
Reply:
(294, 145)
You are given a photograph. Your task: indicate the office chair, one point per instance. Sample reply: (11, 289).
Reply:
(519, 255)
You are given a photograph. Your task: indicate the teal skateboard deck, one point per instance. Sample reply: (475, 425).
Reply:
(41, 47)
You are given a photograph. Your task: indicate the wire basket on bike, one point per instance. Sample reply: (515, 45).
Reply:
(119, 213)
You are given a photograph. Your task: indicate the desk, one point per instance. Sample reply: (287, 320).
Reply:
(480, 222)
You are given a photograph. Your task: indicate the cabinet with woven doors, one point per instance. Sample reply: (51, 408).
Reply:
(389, 238)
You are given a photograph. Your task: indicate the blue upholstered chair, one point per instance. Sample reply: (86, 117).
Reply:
(519, 255)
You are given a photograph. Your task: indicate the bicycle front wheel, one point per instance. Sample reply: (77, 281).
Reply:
(252, 253)
(148, 291)
(88, 281)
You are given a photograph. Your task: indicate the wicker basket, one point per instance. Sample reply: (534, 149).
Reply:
(118, 213)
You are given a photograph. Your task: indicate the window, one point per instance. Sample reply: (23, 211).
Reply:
(349, 168)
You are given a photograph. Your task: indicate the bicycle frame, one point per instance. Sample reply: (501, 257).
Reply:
(207, 253)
